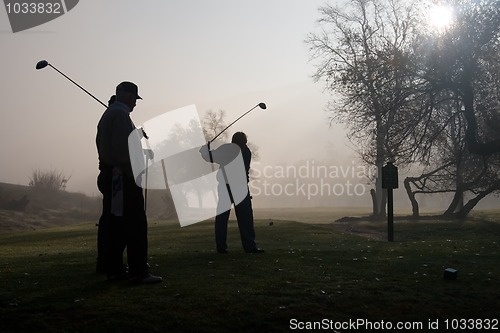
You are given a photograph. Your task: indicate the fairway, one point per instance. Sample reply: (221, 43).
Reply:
(310, 273)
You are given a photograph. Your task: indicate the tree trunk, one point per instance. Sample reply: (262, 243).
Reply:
(454, 206)
(459, 166)
(473, 145)
(379, 211)
(414, 203)
(473, 202)
(374, 202)
(378, 192)
(200, 199)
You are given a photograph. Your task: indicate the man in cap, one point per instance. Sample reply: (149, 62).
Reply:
(121, 195)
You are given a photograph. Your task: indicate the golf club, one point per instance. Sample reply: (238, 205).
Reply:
(44, 63)
(261, 105)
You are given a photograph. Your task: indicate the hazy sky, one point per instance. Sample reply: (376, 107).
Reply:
(217, 54)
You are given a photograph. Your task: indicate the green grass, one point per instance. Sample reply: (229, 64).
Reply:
(309, 272)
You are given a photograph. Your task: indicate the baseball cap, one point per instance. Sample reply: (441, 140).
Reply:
(129, 87)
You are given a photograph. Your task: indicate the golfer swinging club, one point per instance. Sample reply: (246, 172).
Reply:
(244, 211)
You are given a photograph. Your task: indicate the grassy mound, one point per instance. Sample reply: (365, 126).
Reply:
(25, 207)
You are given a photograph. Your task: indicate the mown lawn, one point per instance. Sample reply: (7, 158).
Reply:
(310, 272)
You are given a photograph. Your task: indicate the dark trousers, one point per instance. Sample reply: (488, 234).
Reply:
(128, 231)
(244, 215)
(103, 236)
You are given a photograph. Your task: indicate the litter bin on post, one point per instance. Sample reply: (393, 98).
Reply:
(390, 182)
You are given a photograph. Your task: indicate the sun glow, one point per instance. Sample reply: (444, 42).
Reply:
(440, 17)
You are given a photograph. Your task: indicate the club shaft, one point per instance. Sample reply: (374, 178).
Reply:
(79, 86)
(233, 123)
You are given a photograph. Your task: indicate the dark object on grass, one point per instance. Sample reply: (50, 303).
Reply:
(450, 274)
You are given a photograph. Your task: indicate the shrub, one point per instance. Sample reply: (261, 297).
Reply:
(51, 180)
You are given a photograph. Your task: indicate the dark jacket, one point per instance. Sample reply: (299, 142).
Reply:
(113, 131)
(247, 158)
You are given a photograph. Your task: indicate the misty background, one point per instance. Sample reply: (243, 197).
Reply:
(226, 55)
(219, 55)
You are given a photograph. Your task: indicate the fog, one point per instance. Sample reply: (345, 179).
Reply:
(221, 59)
(224, 55)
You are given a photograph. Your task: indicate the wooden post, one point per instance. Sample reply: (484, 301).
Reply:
(390, 182)
(390, 216)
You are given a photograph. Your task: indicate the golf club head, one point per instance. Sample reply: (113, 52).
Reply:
(262, 106)
(42, 64)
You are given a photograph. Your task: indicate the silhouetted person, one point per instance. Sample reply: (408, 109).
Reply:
(112, 99)
(125, 200)
(243, 210)
(103, 237)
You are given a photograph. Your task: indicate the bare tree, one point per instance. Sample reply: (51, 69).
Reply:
(466, 61)
(363, 54)
(411, 96)
(213, 123)
(459, 138)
